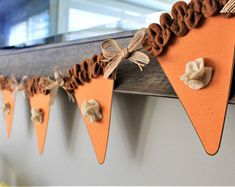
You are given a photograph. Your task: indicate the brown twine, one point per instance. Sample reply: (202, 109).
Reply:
(44, 85)
(9, 83)
(33, 86)
(183, 18)
(81, 73)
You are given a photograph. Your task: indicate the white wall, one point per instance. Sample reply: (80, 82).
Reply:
(151, 143)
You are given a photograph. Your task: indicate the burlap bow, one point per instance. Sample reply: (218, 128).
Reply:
(49, 84)
(113, 54)
(229, 7)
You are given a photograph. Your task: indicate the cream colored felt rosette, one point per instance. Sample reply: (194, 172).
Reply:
(36, 115)
(91, 109)
(197, 75)
(6, 109)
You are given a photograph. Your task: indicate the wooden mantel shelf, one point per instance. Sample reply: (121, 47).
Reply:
(42, 59)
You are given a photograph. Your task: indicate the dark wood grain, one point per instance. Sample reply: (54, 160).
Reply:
(42, 59)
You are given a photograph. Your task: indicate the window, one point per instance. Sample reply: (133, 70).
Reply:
(18, 34)
(93, 18)
(79, 19)
(35, 27)
(38, 26)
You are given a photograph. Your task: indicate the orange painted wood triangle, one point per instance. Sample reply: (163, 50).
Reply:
(206, 108)
(100, 89)
(40, 101)
(9, 98)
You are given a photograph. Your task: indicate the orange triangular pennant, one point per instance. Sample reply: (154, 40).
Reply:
(9, 100)
(100, 89)
(41, 102)
(206, 108)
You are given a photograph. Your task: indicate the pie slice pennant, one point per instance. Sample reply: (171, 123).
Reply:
(101, 90)
(214, 41)
(41, 103)
(8, 105)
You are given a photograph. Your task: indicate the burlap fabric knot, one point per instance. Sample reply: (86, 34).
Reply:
(197, 75)
(114, 54)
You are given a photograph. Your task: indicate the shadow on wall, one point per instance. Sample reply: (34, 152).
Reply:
(134, 121)
(28, 117)
(7, 174)
(67, 112)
